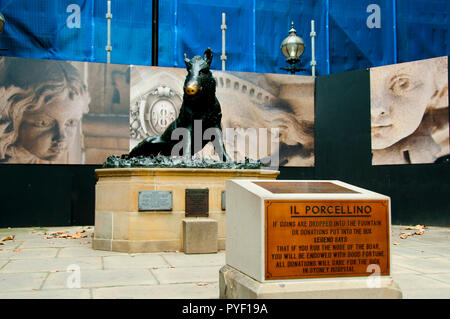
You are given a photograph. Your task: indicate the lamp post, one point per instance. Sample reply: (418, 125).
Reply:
(292, 48)
(2, 23)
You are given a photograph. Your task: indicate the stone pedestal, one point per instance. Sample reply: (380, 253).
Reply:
(234, 284)
(306, 239)
(121, 226)
(200, 236)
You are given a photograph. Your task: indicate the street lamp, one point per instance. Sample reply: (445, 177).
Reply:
(2, 22)
(292, 48)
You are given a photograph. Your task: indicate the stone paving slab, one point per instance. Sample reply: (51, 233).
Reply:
(34, 253)
(19, 233)
(27, 281)
(101, 278)
(430, 293)
(134, 261)
(436, 250)
(54, 242)
(86, 251)
(51, 264)
(48, 294)
(398, 269)
(428, 265)
(414, 252)
(10, 245)
(174, 291)
(413, 281)
(5, 254)
(445, 278)
(183, 260)
(3, 262)
(187, 275)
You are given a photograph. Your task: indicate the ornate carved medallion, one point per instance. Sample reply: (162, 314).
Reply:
(154, 111)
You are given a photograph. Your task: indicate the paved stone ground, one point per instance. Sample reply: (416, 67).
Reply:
(32, 266)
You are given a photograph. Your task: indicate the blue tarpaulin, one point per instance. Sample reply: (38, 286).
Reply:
(51, 29)
(350, 34)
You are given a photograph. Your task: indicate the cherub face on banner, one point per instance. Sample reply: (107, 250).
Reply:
(41, 107)
(400, 96)
(49, 131)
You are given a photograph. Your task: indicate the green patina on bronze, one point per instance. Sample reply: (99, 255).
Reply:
(161, 161)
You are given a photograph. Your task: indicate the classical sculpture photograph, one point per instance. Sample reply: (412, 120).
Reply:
(409, 112)
(61, 112)
(42, 103)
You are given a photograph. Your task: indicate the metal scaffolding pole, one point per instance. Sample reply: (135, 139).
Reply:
(155, 32)
(313, 50)
(223, 57)
(108, 47)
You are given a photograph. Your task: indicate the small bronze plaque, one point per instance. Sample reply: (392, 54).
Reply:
(155, 200)
(197, 203)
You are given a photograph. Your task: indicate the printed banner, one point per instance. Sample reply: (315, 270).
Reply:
(409, 112)
(58, 112)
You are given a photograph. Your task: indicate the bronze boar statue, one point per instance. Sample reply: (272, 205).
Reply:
(199, 104)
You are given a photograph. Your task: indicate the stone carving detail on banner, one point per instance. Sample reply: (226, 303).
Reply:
(409, 112)
(154, 111)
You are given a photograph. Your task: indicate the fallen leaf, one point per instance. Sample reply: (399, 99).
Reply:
(2, 243)
(17, 250)
(202, 284)
(10, 237)
(395, 243)
(419, 232)
(404, 235)
(415, 227)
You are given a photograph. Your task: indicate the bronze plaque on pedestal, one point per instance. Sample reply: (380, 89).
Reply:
(326, 238)
(197, 203)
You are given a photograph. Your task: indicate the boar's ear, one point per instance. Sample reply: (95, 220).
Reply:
(187, 61)
(208, 55)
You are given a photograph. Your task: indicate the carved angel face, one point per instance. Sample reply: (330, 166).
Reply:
(400, 95)
(49, 131)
